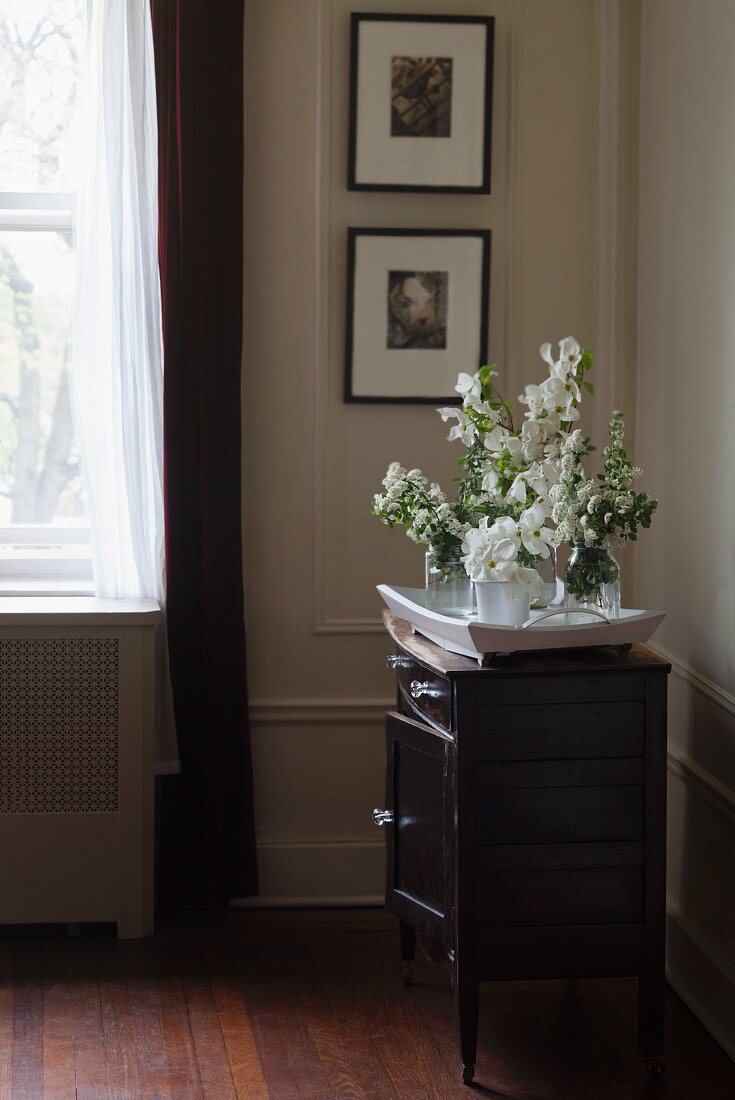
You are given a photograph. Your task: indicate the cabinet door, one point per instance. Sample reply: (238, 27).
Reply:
(420, 840)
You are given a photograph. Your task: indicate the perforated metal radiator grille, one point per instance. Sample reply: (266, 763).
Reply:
(58, 725)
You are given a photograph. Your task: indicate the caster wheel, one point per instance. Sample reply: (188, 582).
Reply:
(468, 1074)
(407, 973)
(654, 1067)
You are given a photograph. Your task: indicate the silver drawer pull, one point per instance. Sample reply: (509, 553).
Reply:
(419, 688)
(382, 817)
(397, 660)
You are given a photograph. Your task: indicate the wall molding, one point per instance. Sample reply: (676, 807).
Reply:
(712, 954)
(690, 771)
(310, 901)
(318, 871)
(697, 680)
(607, 228)
(702, 942)
(327, 353)
(324, 625)
(319, 712)
(322, 349)
(703, 782)
(286, 843)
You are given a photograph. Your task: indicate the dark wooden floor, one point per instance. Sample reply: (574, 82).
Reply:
(310, 1004)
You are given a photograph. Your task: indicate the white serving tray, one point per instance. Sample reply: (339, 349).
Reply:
(475, 639)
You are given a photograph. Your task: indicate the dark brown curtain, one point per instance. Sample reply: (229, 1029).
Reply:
(207, 842)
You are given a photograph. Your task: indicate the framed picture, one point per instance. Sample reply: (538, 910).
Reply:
(420, 103)
(417, 312)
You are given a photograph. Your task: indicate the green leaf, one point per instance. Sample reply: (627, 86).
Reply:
(588, 386)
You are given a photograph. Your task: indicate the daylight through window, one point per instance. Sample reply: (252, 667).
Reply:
(44, 531)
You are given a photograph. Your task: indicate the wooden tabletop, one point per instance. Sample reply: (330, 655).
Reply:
(601, 658)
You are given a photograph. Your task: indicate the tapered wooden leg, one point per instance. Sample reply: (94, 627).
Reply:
(408, 951)
(467, 999)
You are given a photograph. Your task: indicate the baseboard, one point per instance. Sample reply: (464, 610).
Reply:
(702, 977)
(307, 901)
(319, 712)
(318, 871)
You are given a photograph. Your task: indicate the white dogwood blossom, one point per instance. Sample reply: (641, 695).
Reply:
(491, 552)
(465, 430)
(523, 463)
(469, 388)
(535, 537)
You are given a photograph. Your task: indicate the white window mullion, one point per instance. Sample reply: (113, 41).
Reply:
(34, 534)
(35, 220)
(37, 200)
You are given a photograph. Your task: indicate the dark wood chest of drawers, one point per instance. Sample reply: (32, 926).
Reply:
(525, 820)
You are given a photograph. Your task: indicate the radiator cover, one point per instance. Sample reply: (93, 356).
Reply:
(58, 725)
(76, 764)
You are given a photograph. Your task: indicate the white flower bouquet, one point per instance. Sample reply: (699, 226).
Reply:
(603, 512)
(524, 489)
(595, 515)
(423, 511)
(515, 467)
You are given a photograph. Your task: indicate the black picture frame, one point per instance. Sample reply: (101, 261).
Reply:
(353, 233)
(488, 22)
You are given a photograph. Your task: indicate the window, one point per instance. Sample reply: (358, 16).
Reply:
(44, 530)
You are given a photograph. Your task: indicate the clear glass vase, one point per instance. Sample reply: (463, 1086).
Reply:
(448, 588)
(546, 568)
(592, 581)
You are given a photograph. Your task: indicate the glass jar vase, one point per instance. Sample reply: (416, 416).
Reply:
(546, 569)
(592, 581)
(448, 588)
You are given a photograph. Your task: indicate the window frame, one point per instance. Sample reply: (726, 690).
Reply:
(48, 569)
(44, 558)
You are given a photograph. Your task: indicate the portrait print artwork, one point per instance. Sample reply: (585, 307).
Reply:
(417, 309)
(417, 312)
(420, 103)
(421, 97)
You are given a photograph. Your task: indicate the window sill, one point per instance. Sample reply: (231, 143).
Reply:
(76, 611)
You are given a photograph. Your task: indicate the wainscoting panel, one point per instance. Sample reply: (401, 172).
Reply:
(311, 463)
(319, 773)
(701, 858)
(319, 871)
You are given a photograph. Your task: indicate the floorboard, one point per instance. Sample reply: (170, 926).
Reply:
(310, 1005)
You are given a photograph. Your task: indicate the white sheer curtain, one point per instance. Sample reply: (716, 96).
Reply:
(118, 357)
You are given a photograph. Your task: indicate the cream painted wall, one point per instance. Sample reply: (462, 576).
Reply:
(685, 442)
(313, 553)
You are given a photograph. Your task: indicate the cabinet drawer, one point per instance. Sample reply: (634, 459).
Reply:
(561, 815)
(566, 731)
(560, 951)
(521, 899)
(602, 772)
(562, 857)
(424, 694)
(608, 687)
